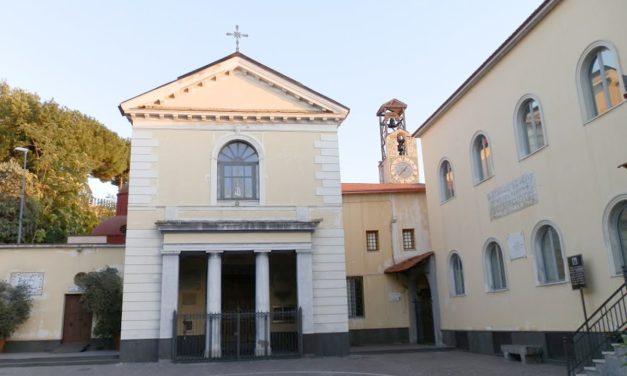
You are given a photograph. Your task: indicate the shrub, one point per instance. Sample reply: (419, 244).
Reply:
(103, 297)
(15, 305)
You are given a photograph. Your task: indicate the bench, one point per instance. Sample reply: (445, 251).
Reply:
(527, 353)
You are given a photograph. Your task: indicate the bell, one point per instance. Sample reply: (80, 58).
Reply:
(392, 123)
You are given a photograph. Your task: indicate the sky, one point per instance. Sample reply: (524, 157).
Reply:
(92, 55)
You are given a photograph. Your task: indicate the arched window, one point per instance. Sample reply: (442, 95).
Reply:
(601, 82)
(238, 172)
(529, 127)
(447, 188)
(456, 275)
(481, 158)
(549, 256)
(495, 268)
(618, 234)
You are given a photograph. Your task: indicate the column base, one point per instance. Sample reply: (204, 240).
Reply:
(260, 350)
(139, 350)
(326, 344)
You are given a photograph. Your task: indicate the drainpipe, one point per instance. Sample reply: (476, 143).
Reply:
(393, 225)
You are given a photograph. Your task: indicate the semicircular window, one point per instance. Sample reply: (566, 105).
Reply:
(238, 172)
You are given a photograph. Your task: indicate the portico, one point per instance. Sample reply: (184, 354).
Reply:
(235, 277)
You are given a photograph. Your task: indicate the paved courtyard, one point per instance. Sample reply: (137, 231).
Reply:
(406, 364)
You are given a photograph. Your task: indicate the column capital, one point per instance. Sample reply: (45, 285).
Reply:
(170, 252)
(304, 250)
(214, 252)
(262, 251)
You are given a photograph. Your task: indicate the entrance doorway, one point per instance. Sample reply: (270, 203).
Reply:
(424, 311)
(76, 320)
(238, 304)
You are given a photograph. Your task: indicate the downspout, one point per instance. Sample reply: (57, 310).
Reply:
(393, 232)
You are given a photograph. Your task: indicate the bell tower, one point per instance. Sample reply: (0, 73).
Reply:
(398, 148)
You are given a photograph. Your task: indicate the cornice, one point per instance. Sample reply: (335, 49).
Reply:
(237, 226)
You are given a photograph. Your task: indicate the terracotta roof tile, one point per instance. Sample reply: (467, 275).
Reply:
(369, 188)
(409, 263)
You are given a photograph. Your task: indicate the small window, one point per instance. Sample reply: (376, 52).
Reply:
(618, 235)
(238, 172)
(372, 240)
(447, 189)
(482, 158)
(549, 256)
(530, 127)
(355, 294)
(456, 276)
(408, 239)
(602, 84)
(495, 267)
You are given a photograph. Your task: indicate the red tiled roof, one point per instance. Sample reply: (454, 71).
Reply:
(409, 263)
(366, 188)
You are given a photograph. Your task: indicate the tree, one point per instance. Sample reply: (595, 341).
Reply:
(11, 174)
(103, 297)
(15, 305)
(66, 147)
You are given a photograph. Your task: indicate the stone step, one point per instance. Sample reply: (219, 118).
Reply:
(591, 371)
(51, 363)
(23, 360)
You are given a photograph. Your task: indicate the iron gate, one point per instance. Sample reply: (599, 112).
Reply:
(236, 335)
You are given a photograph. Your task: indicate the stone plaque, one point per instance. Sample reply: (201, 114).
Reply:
(34, 281)
(394, 296)
(513, 196)
(577, 275)
(516, 246)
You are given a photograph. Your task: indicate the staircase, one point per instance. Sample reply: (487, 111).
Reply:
(610, 365)
(596, 347)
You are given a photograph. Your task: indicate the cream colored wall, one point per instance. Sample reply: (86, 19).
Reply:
(60, 264)
(185, 158)
(375, 212)
(576, 176)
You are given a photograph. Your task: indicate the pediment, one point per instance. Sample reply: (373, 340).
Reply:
(235, 88)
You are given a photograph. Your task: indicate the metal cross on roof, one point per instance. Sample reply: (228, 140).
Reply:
(237, 35)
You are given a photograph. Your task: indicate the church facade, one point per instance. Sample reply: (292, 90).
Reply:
(234, 207)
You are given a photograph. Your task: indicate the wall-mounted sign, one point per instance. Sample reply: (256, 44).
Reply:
(577, 275)
(513, 196)
(516, 246)
(34, 281)
(394, 296)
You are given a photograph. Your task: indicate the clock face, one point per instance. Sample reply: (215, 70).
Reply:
(404, 170)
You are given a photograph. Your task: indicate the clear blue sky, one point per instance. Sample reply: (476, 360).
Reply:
(92, 55)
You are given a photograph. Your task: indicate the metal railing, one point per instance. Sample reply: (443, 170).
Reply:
(598, 332)
(236, 335)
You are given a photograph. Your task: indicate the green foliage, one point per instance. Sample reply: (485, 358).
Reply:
(15, 305)
(11, 174)
(66, 147)
(103, 297)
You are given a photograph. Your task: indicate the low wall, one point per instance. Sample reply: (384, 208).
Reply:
(50, 269)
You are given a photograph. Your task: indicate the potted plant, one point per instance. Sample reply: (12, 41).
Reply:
(15, 305)
(103, 297)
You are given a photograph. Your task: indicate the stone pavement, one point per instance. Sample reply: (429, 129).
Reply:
(448, 363)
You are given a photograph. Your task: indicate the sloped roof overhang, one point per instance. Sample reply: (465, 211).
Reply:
(404, 266)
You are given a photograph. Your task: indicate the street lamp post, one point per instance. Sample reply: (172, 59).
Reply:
(19, 228)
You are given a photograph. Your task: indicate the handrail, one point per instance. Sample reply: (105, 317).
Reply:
(597, 332)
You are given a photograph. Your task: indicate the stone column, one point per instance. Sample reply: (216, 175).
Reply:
(169, 300)
(304, 282)
(262, 303)
(214, 306)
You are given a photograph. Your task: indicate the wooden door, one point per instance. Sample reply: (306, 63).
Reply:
(76, 320)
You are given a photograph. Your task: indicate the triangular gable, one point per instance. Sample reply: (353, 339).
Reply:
(235, 88)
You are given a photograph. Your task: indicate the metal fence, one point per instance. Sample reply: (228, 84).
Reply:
(236, 335)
